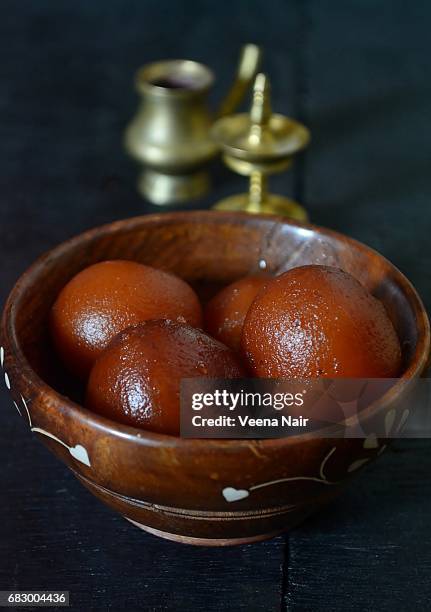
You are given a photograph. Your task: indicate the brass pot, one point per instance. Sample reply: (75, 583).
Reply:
(170, 134)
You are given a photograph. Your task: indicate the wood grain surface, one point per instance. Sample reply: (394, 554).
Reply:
(358, 73)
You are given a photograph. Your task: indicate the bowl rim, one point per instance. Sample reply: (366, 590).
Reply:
(140, 436)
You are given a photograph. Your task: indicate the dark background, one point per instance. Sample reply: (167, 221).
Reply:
(358, 74)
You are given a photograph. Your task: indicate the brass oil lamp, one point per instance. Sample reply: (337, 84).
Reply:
(256, 145)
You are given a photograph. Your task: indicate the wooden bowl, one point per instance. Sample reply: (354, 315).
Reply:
(211, 492)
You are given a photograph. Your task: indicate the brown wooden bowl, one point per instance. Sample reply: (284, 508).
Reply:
(212, 492)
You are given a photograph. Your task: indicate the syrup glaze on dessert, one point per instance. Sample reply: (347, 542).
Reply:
(225, 313)
(318, 321)
(137, 379)
(105, 298)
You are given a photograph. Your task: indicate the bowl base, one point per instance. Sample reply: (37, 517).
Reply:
(175, 537)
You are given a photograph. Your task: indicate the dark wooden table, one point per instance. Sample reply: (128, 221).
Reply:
(358, 73)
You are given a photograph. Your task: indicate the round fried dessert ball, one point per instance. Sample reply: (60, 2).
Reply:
(136, 381)
(318, 321)
(107, 297)
(225, 313)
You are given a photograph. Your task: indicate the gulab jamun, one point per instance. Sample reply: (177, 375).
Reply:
(225, 313)
(136, 380)
(318, 321)
(105, 298)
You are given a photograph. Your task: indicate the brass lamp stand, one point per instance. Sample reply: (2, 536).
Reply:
(257, 145)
